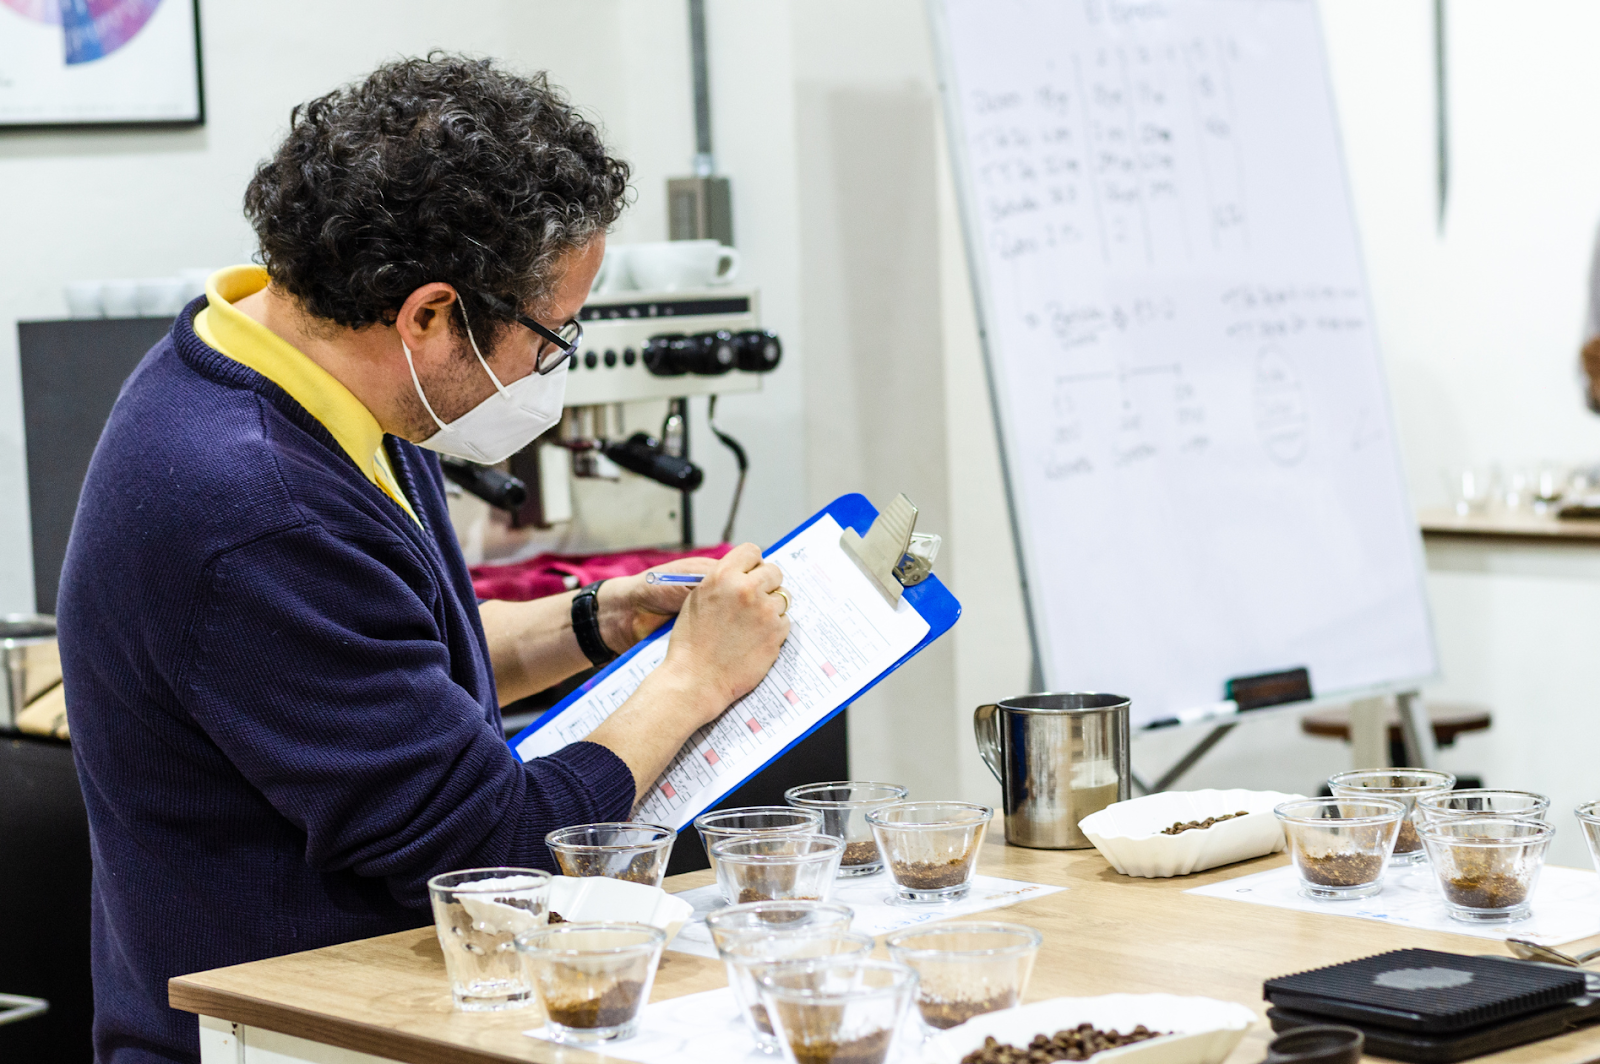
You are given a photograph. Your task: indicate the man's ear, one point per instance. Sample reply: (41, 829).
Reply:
(424, 319)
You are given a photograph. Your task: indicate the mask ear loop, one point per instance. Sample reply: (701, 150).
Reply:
(481, 360)
(420, 393)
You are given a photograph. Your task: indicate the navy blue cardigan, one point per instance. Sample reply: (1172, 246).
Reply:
(282, 708)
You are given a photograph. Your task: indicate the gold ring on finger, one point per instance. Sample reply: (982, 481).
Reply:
(786, 602)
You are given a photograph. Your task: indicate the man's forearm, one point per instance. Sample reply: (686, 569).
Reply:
(650, 728)
(531, 645)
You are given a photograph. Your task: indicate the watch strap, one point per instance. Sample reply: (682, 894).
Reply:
(586, 624)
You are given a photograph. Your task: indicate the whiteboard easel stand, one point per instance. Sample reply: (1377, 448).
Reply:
(1369, 744)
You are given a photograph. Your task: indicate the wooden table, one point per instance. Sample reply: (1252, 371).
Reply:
(1509, 525)
(1107, 933)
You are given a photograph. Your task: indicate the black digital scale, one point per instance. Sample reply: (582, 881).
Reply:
(1432, 1007)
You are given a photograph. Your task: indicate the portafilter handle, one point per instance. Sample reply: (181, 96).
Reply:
(986, 729)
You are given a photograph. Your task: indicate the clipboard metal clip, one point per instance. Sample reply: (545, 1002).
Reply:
(892, 553)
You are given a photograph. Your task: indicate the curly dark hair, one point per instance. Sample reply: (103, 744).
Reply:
(437, 169)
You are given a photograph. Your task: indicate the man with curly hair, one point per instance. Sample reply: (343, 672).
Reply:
(284, 696)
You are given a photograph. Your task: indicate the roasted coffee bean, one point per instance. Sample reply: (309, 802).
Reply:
(1079, 1043)
(1200, 825)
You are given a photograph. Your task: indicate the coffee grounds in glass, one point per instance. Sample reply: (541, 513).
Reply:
(1342, 869)
(859, 853)
(945, 1013)
(932, 875)
(868, 1049)
(618, 1004)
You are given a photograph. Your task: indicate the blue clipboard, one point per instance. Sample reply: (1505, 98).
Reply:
(931, 599)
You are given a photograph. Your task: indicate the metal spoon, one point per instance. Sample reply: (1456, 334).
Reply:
(1532, 951)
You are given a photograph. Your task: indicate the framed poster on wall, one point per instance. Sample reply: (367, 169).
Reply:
(100, 63)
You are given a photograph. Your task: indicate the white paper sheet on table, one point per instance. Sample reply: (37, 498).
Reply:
(1566, 903)
(870, 897)
(843, 636)
(698, 1028)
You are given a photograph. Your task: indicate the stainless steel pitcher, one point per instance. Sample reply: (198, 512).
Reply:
(1058, 758)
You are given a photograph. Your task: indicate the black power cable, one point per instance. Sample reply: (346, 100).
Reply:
(738, 456)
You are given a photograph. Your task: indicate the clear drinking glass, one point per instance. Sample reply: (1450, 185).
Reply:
(477, 913)
(1404, 785)
(777, 918)
(1588, 815)
(966, 969)
(1472, 488)
(721, 824)
(749, 957)
(777, 867)
(844, 807)
(931, 848)
(636, 853)
(1487, 867)
(771, 920)
(1481, 801)
(837, 1011)
(593, 978)
(1341, 845)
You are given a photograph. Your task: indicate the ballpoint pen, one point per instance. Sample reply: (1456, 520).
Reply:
(673, 578)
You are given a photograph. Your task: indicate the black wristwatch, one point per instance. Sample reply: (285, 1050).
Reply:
(586, 624)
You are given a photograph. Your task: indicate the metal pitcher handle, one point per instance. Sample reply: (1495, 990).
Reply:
(986, 728)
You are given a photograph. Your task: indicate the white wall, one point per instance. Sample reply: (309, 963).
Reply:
(80, 205)
(1481, 323)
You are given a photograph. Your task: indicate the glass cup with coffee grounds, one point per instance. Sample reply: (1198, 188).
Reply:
(593, 978)
(745, 821)
(931, 848)
(1341, 845)
(844, 807)
(966, 969)
(1481, 801)
(749, 957)
(842, 1010)
(1404, 785)
(1487, 867)
(635, 853)
(777, 867)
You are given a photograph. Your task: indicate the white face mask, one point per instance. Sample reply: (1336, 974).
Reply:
(502, 424)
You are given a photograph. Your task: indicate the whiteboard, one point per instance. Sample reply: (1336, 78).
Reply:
(1199, 452)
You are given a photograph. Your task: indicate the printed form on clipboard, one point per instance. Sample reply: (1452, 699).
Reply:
(844, 636)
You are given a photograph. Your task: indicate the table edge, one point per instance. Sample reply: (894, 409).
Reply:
(408, 1047)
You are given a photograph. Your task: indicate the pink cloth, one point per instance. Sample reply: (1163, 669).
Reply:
(552, 574)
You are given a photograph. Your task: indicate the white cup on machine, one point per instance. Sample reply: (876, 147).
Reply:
(670, 265)
(84, 299)
(160, 297)
(121, 299)
(614, 275)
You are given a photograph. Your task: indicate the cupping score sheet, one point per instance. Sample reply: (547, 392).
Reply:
(844, 638)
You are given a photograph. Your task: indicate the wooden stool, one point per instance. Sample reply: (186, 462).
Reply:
(1448, 722)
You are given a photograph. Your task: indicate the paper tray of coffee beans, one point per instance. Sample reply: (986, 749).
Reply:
(1175, 833)
(1113, 1029)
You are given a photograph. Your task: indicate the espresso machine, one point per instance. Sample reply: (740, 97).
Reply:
(617, 473)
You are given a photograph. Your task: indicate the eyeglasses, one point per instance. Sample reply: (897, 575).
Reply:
(565, 339)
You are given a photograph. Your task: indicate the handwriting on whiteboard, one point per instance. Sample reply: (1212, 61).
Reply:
(1118, 151)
